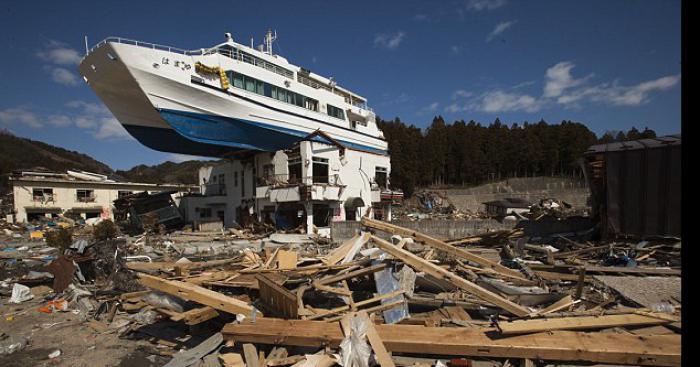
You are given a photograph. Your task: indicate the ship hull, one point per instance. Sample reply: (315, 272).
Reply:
(166, 110)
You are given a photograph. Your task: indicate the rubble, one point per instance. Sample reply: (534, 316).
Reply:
(235, 298)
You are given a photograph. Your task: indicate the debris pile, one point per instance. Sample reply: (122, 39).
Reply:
(430, 205)
(389, 296)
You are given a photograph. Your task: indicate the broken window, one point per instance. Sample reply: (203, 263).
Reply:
(322, 215)
(40, 194)
(294, 166)
(380, 176)
(85, 196)
(320, 170)
(204, 212)
(122, 193)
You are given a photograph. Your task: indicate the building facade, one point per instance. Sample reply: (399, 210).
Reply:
(75, 194)
(309, 186)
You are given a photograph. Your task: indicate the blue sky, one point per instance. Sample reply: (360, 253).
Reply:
(609, 64)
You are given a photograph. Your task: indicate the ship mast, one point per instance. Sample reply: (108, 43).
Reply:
(269, 38)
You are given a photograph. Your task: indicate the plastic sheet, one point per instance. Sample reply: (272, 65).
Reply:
(386, 283)
(162, 300)
(20, 293)
(354, 350)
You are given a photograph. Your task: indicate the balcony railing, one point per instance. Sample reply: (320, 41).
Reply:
(284, 179)
(215, 189)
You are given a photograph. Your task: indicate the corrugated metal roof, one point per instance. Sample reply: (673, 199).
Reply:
(658, 142)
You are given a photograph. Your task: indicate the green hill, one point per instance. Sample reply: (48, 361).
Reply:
(184, 172)
(20, 153)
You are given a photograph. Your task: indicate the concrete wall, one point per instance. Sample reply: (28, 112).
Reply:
(574, 192)
(442, 229)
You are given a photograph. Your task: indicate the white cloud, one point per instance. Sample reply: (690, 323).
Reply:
(110, 128)
(618, 95)
(433, 107)
(479, 5)
(558, 79)
(389, 41)
(461, 93)
(57, 53)
(22, 115)
(502, 101)
(500, 28)
(63, 76)
(560, 87)
(97, 120)
(59, 120)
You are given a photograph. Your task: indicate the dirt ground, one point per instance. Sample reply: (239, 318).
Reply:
(80, 344)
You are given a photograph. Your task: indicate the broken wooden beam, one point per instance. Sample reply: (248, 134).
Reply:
(422, 265)
(440, 245)
(578, 323)
(191, 292)
(277, 298)
(654, 350)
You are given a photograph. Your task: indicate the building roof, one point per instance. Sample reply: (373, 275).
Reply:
(659, 142)
(509, 203)
(83, 177)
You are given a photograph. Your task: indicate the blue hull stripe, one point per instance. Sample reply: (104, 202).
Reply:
(239, 133)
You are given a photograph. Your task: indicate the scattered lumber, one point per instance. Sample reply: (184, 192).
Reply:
(439, 245)
(654, 350)
(580, 323)
(420, 264)
(191, 292)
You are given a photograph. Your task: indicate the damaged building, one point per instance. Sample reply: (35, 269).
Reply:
(77, 194)
(317, 181)
(636, 186)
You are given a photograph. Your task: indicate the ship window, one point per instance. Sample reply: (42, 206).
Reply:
(238, 80)
(250, 84)
(268, 90)
(299, 101)
(290, 97)
(311, 104)
(260, 87)
(282, 94)
(335, 112)
(274, 91)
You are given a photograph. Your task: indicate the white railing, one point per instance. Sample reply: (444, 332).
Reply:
(150, 45)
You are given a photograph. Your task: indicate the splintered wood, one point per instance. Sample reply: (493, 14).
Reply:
(496, 296)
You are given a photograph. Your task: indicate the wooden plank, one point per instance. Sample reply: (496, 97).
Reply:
(607, 269)
(339, 253)
(199, 315)
(381, 354)
(577, 323)
(251, 355)
(564, 302)
(287, 259)
(655, 350)
(353, 274)
(440, 273)
(440, 245)
(277, 299)
(231, 360)
(191, 292)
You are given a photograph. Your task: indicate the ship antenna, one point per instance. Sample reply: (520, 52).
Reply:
(87, 50)
(269, 38)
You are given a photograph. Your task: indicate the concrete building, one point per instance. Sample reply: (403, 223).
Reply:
(310, 185)
(75, 194)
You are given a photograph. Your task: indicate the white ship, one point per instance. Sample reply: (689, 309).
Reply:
(225, 100)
